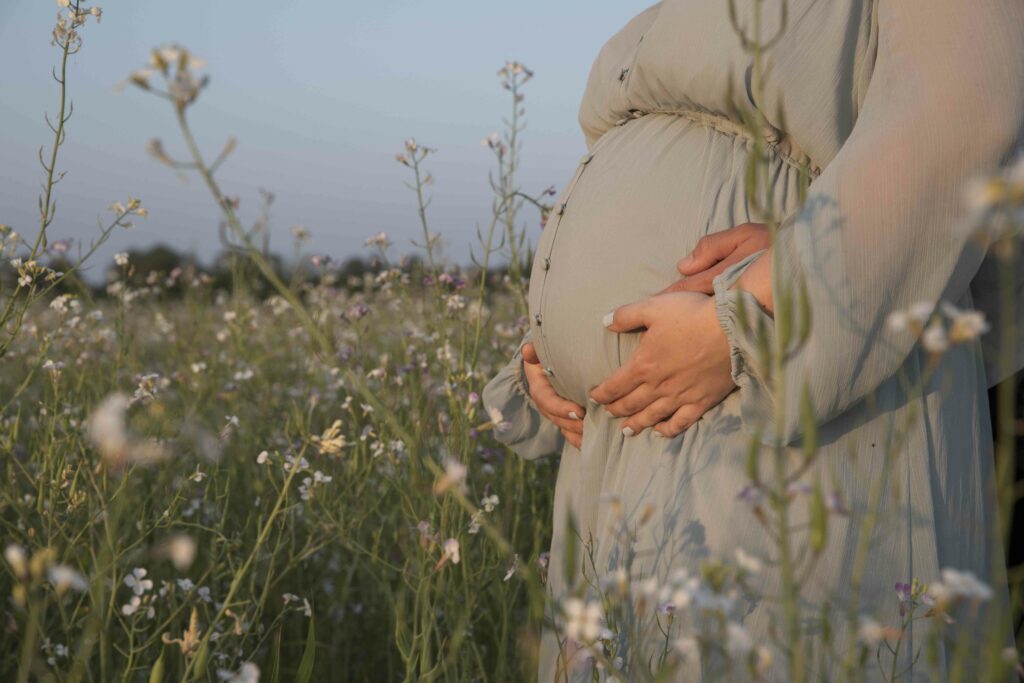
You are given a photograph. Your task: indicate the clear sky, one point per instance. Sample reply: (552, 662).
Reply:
(321, 95)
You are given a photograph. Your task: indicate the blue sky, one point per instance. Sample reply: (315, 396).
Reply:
(320, 94)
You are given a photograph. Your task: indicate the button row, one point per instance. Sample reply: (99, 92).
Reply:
(546, 263)
(633, 114)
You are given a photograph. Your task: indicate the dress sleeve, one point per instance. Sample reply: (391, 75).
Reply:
(523, 429)
(885, 225)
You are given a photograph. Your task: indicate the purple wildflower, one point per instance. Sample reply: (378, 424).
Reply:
(903, 593)
(751, 493)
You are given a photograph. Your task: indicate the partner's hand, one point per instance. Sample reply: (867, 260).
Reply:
(716, 252)
(680, 369)
(566, 415)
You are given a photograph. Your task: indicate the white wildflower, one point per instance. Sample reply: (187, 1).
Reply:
(748, 562)
(454, 476)
(180, 549)
(18, 559)
(451, 550)
(934, 338)
(616, 581)
(474, 523)
(739, 642)
(247, 673)
(137, 581)
(498, 420)
(132, 606)
(649, 587)
(965, 325)
(63, 577)
(921, 311)
(455, 303)
(956, 584)
(869, 631)
(107, 429)
(688, 647)
(60, 303)
(912, 319)
(512, 569)
(584, 622)
(380, 241)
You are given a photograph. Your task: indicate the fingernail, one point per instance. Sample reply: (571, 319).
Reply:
(592, 400)
(628, 431)
(658, 434)
(686, 260)
(608, 318)
(573, 415)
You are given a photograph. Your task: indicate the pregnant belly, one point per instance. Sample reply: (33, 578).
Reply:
(639, 203)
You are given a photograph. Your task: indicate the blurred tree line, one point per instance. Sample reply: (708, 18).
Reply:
(175, 270)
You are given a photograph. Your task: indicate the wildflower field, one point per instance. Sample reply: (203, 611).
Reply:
(205, 482)
(287, 474)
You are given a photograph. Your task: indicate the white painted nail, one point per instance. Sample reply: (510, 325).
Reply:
(628, 431)
(573, 415)
(592, 400)
(658, 434)
(608, 319)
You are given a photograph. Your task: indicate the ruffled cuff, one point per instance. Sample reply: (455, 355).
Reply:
(750, 332)
(523, 428)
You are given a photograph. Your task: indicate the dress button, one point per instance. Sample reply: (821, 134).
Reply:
(537, 319)
(560, 209)
(546, 263)
(623, 72)
(585, 159)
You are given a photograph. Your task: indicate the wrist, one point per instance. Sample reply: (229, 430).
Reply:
(709, 313)
(756, 279)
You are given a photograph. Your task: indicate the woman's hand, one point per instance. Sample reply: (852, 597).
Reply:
(716, 252)
(680, 369)
(566, 415)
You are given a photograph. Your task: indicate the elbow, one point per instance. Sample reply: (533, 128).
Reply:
(993, 113)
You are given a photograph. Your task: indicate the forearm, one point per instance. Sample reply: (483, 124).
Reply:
(757, 279)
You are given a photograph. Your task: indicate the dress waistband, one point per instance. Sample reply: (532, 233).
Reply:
(780, 144)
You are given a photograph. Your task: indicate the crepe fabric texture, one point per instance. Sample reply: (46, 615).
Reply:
(892, 107)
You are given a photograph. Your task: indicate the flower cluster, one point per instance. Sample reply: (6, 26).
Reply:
(940, 327)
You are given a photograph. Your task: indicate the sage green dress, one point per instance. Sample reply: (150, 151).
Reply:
(892, 106)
